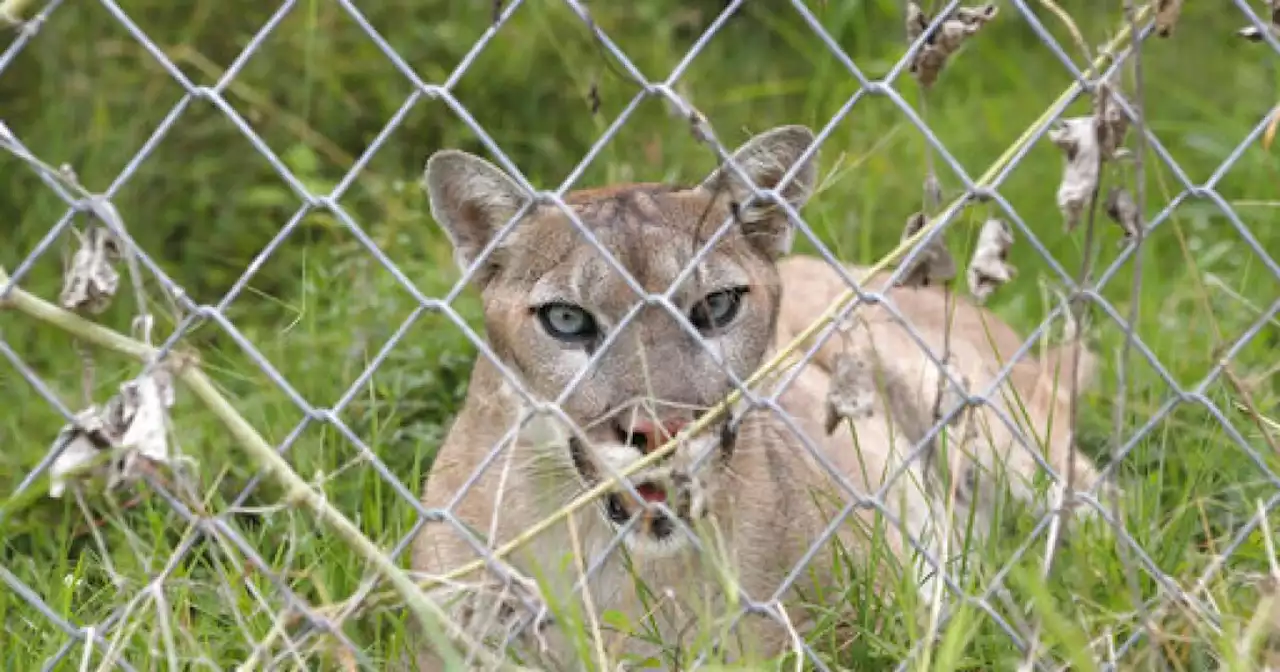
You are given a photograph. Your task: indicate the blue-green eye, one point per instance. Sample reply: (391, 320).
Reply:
(567, 322)
(717, 309)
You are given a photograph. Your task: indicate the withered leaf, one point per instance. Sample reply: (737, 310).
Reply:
(933, 264)
(989, 268)
(91, 279)
(962, 24)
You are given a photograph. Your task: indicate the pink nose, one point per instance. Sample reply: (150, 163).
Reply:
(646, 435)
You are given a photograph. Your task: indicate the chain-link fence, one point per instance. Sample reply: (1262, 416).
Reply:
(233, 493)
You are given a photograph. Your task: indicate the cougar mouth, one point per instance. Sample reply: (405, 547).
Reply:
(620, 506)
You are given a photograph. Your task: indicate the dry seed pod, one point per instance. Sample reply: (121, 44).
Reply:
(933, 265)
(917, 21)
(1167, 13)
(990, 268)
(1112, 122)
(951, 33)
(1085, 143)
(932, 191)
(1123, 211)
(91, 280)
(134, 421)
(852, 391)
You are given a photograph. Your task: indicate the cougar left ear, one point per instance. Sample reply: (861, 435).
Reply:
(765, 159)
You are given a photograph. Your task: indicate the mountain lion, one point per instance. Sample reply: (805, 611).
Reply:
(720, 524)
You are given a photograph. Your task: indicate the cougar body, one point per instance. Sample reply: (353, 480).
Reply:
(723, 521)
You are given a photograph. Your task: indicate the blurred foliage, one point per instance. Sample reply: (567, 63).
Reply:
(318, 91)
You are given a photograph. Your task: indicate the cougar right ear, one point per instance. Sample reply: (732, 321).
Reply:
(766, 159)
(471, 199)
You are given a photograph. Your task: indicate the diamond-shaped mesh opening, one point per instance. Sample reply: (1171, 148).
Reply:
(589, 86)
(319, 128)
(1216, 287)
(117, 93)
(309, 303)
(168, 214)
(381, 193)
(430, 44)
(195, 44)
(401, 402)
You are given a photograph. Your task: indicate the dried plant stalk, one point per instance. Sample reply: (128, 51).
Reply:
(946, 40)
(932, 191)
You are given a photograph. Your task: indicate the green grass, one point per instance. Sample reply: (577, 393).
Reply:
(321, 308)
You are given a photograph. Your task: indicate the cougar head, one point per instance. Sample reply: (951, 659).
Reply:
(636, 358)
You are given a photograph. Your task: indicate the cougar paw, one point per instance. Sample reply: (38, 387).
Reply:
(512, 610)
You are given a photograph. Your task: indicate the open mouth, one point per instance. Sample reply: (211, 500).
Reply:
(621, 506)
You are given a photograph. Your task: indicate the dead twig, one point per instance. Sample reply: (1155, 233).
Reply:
(1128, 213)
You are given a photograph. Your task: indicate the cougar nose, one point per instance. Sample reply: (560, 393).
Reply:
(645, 435)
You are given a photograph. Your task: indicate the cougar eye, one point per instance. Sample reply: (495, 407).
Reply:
(717, 309)
(567, 322)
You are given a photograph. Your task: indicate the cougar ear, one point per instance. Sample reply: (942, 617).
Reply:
(765, 159)
(471, 199)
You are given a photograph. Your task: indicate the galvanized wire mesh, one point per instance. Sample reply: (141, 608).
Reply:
(298, 623)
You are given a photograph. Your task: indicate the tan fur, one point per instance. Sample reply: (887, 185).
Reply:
(1034, 397)
(758, 506)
